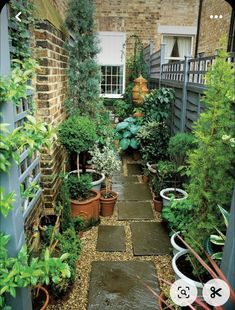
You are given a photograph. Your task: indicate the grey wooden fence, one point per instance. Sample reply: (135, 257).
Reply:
(186, 78)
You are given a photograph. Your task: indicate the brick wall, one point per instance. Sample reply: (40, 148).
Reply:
(51, 87)
(143, 17)
(211, 30)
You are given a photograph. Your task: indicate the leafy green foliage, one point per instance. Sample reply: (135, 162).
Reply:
(77, 134)
(79, 188)
(122, 108)
(20, 271)
(6, 202)
(84, 72)
(220, 238)
(210, 163)
(21, 32)
(153, 138)
(136, 64)
(126, 132)
(104, 129)
(70, 243)
(178, 213)
(157, 104)
(179, 146)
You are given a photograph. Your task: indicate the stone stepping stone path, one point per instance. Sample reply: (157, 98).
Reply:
(111, 239)
(150, 238)
(134, 210)
(120, 286)
(134, 169)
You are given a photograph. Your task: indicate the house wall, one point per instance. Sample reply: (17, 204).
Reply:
(143, 17)
(211, 30)
(51, 90)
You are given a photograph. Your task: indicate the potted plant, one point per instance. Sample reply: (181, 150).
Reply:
(172, 193)
(107, 162)
(28, 272)
(78, 134)
(145, 176)
(138, 112)
(156, 188)
(126, 132)
(84, 201)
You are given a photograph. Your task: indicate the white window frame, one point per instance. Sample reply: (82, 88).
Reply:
(177, 35)
(123, 64)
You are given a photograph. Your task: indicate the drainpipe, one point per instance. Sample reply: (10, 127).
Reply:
(198, 27)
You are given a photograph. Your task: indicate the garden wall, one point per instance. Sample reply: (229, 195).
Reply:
(143, 17)
(51, 93)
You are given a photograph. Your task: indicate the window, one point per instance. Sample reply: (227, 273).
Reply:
(112, 62)
(111, 80)
(177, 47)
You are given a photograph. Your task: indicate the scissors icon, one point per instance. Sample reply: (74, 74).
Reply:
(215, 292)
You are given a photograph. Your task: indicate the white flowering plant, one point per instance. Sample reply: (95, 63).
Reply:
(106, 161)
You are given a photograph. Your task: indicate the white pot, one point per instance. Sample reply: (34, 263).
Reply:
(176, 247)
(166, 200)
(152, 167)
(96, 185)
(180, 275)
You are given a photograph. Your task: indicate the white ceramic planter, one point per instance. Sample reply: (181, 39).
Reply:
(96, 185)
(176, 247)
(180, 275)
(166, 199)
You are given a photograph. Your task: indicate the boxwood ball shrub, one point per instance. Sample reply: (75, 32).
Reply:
(78, 134)
(79, 188)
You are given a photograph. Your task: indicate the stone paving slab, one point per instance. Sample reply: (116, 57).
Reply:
(134, 191)
(134, 169)
(115, 286)
(111, 239)
(124, 179)
(150, 238)
(134, 210)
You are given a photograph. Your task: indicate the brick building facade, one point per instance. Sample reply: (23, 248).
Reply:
(144, 17)
(215, 23)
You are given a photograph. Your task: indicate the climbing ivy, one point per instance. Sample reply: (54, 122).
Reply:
(21, 31)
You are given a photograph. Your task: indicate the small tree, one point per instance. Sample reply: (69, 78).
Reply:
(78, 134)
(84, 72)
(211, 162)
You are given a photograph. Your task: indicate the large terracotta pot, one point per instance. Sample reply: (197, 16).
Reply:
(139, 90)
(107, 204)
(88, 209)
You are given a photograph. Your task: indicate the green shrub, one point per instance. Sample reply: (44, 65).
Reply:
(122, 109)
(211, 162)
(126, 132)
(153, 138)
(77, 134)
(178, 213)
(179, 146)
(157, 104)
(84, 72)
(79, 188)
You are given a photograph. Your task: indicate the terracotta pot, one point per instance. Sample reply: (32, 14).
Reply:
(107, 204)
(45, 293)
(157, 204)
(138, 114)
(160, 302)
(87, 209)
(145, 178)
(139, 90)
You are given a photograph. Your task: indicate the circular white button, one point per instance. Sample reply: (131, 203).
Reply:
(216, 292)
(211, 16)
(183, 293)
